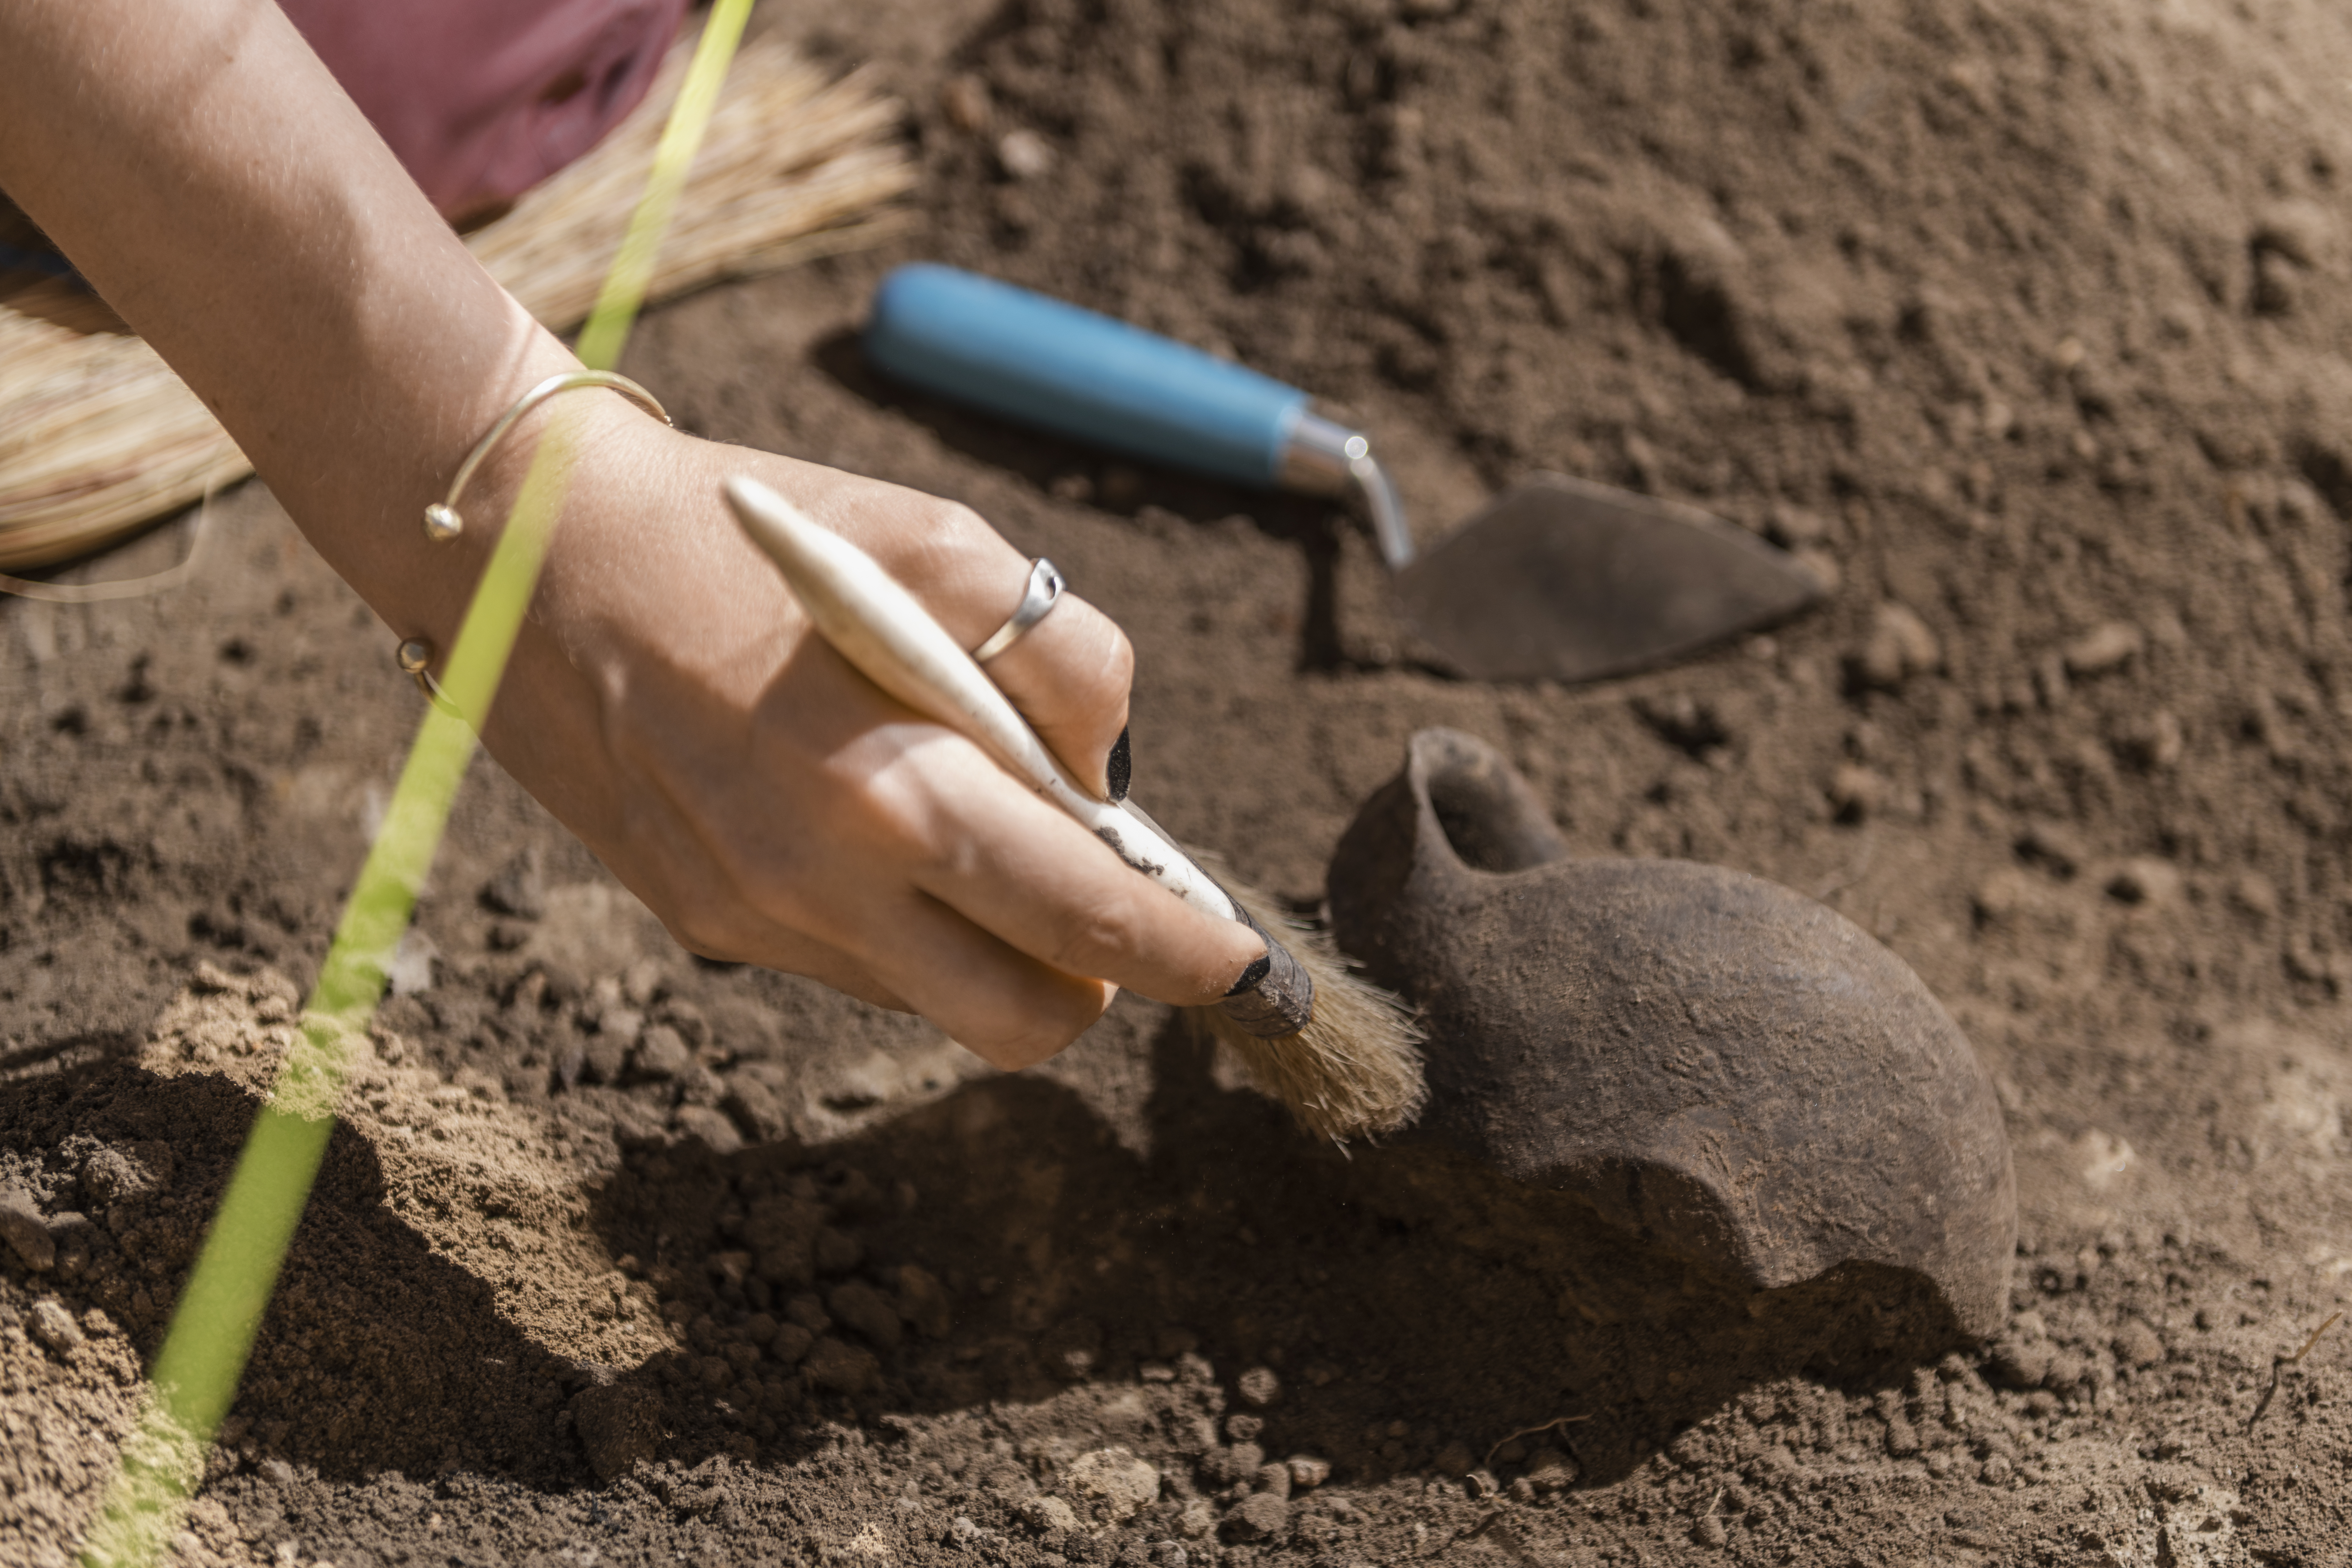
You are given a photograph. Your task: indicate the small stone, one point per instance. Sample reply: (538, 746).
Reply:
(1260, 1386)
(838, 1252)
(619, 1424)
(1792, 526)
(661, 1052)
(708, 1124)
(1707, 1530)
(755, 1107)
(410, 973)
(2256, 894)
(1899, 647)
(865, 1308)
(641, 981)
(2019, 1363)
(965, 1530)
(1049, 1513)
(54, 1326)
(603, 1058)
(924, 1302)
(521, 887)
(841, 1367)
(2103, 648)
(1236, 1463)
(1275, 1479)
(1243, 1428)
(1261, 1516)
(1822, 564)
(2144, 879)
(1857, 792)
(1169, 1554)
(1024, 155)
(1549, 1470)
(21, 1228)
(1902, 1437)
(2152, 743)
(1072, 1349)
(2053, 847)
(2138, 1345)
(1198, 1517)
(965, 102)
(2300, 232)
(1307, 1472)
(1121, 1482)
(112, 1176)
(1996, 1471)
(781, 1231)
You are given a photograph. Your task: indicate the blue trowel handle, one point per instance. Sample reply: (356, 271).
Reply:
(1059, 368)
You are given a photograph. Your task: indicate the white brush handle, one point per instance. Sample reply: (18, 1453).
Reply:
(892, 639)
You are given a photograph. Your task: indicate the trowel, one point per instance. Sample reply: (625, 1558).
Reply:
(1557, 578)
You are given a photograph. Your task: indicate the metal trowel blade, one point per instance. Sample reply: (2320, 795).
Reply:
(1561, 579)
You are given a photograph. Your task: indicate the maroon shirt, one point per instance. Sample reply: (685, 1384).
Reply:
(481, 100)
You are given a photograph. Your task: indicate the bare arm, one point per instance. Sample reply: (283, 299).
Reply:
(201, 167)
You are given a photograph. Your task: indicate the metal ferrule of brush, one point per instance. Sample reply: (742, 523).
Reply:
(1273, 997)
(1324, 457)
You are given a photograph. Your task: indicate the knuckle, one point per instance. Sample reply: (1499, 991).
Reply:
(1096, 941)
(1115, 670)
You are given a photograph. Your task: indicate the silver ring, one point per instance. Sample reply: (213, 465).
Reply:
(1044, 592)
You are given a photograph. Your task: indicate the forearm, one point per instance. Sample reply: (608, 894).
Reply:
(201, 167)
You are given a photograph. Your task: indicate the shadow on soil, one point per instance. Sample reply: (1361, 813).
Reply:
(1408, 1303)
(1407, 1300)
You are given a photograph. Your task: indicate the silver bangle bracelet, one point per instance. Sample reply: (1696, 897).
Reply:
(443, 523)
(441, 520)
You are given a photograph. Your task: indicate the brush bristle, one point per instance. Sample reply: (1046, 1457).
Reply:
(1355, 1070)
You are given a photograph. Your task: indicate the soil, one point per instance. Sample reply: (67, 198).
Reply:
(2022, 321)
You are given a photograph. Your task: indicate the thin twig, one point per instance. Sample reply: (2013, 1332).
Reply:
(2279, 1364)
(1531, 1431)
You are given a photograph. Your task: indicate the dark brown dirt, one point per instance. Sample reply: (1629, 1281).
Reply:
(2025, 320)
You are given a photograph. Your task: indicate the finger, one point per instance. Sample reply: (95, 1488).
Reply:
(998, 1003)
(771, 946)
(1069, 676)
(678, 882)
(1019, 868)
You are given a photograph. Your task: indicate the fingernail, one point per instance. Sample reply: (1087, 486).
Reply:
(1120, 770)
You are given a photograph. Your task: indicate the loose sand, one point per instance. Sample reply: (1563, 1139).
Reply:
(2024, 320)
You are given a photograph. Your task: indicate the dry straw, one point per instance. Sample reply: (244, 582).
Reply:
(99, 439)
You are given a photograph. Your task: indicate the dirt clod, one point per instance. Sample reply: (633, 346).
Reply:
(620, 1426)
(54, 1326)
(22, 1227)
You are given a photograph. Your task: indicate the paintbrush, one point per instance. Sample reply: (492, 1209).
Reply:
(1339, 1051)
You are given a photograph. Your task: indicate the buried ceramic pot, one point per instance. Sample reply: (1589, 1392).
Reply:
(1728, 1069)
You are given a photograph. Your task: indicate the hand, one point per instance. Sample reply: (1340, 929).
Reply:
(669, 703)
